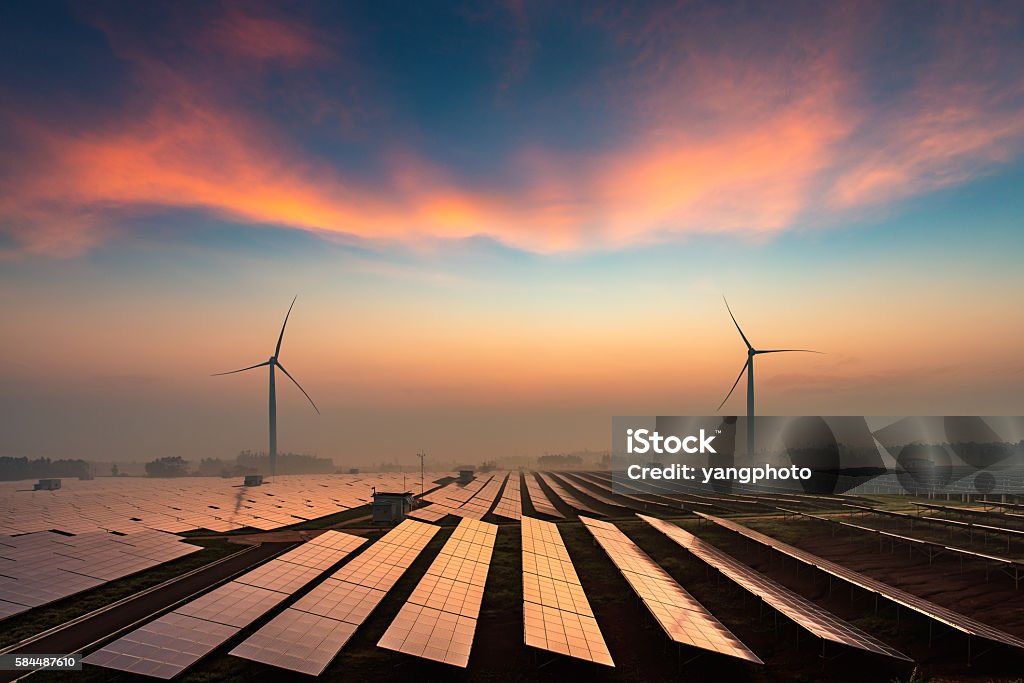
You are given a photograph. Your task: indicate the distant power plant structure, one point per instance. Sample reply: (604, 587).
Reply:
(748, 367)
(273, 363)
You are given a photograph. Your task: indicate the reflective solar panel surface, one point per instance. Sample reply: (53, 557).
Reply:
(59, 543)
(471, 500)
(567, 497)
(682, 618)
(38, 568)
(556, 613)
(175, 641)
(941, 614)
(541, 503)
(606, 498)
(510, 504)
(803, 612)
(932, 545)
(438, 620)
(131, 504)
(308, 635)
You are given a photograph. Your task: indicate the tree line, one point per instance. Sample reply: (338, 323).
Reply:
(246, 462)
(13, 469)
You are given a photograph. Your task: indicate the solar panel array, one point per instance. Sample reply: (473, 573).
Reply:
(567, 497)
(449, 498)
(129, 504)
(170, 644)
(970, 526)
(438, 621)
(929, 609)
(570, 483)
(556, 613)
(308, 635)
(541, 503)
(648, 499)
(510, 505)
(932, 547)
(41, 567)
(683, 619)
(986, 514)
(480, 504)
(801, 611)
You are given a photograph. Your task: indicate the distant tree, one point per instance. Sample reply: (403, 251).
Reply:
(167, 467)
(558, 460)
(114, 471)
(13, 469)
(287, 463)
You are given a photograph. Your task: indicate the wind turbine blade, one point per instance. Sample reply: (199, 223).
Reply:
(738, 378)
(258, 365)
(300, 388)
(820, 353)
(736, 323)
(277, 350)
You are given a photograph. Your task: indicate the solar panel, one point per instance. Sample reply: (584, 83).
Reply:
(683, 619)
(131, 504)
(41, 567)
(472, 501)
(556, 613)
(929, 609)
(163, 648)
(567, 497)
(175, 641)
(438, 620)
(801, 611)
(933, 548)
(149, 512)
(431, 513)
(298, 641)
(645, 500)
(570, 482)
(336, 608)
(541, 503)
(510, 503)
(480, 504)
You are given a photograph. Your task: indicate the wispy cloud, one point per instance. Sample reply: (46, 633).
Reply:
(739, 135)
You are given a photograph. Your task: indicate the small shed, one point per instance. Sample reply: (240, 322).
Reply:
(391, 508)
(47, 485)
(465, 475)
(253, 480)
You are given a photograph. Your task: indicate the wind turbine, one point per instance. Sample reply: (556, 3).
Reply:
(748, 368)
(273, 363)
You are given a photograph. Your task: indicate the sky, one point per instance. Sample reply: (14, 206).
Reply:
(505, 222)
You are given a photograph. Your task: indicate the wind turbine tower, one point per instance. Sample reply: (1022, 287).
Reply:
(273, 363)
(748, 367)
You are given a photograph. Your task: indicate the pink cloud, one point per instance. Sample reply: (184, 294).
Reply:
(741, 138)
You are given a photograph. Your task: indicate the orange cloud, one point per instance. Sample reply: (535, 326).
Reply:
(712, 143)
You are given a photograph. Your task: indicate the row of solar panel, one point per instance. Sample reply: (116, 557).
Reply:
(932, 546)
(439, 619)
(172, 643)
(39, 568)
(127, 505)
(510, 505)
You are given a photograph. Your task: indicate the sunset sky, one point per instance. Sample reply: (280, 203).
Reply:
(505, 222)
